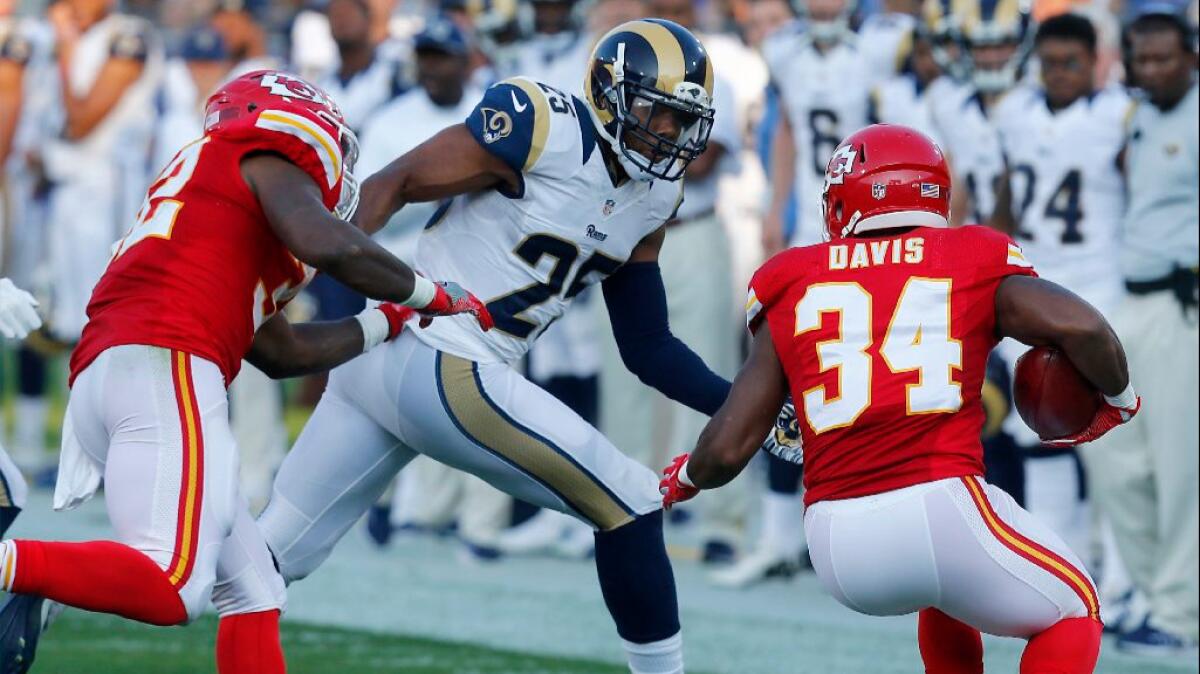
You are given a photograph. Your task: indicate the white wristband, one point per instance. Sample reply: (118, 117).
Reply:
(683, 476)
(375, 327)
(1125, 400)
(423, 293)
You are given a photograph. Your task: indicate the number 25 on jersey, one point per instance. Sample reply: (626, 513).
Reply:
(917, 339)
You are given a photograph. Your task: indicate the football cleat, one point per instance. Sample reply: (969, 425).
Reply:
(1149, 640)
(550, 533)
(379, 524)
(20, 627)
(759, 566)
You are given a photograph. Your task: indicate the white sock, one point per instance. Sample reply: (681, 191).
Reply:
(656, 657)
(783, 523)
(8, 564)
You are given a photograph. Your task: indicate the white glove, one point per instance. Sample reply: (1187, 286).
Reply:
(784, 441)
(18, 316)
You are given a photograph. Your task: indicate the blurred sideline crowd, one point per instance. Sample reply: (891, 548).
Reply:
(1077, 117)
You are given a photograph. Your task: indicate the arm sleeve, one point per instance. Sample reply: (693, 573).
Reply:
(637, 307)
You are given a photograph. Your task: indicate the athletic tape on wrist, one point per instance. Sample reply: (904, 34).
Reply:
(1126, 399)
(423, 293)
(375, 327)
(683, 476)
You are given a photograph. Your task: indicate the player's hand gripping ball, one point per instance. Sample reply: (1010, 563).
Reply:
(1052, 396)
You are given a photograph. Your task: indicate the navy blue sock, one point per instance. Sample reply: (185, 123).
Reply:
(637, 581)
(31, 372)
(783, 477)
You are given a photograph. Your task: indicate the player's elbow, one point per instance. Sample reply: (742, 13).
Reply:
(334, 259)
(639, 360)
(395, 185)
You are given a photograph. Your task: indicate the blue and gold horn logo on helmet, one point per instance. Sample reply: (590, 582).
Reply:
(649, 89)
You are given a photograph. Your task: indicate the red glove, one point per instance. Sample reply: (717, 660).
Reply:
(1112, 413)
(397, 315)
(672, 489)
(450, 299)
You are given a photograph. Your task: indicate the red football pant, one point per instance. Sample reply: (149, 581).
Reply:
(1071, 646)
(248, 643)
(948, 646)
(99, 576)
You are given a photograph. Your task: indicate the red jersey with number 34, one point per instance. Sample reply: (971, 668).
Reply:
(201, 268)
(884, 342)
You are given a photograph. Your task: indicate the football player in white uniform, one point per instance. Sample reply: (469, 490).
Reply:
(907, 98)
(824, 78)
(994, 36)
(1062, 139)
(546, 194)
(110, 65)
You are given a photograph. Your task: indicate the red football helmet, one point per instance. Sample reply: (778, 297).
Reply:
(885, 176)
(254, 92)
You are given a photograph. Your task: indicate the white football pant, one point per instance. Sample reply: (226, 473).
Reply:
(1143, 475)
(382, 408)
(958, 545)
(153, 423)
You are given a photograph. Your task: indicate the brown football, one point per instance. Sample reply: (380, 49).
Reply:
(1052, 396)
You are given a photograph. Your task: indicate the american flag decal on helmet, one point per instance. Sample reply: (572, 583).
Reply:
(931, 190)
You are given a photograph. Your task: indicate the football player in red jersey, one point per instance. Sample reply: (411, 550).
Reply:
(881, 335)
(231, 230)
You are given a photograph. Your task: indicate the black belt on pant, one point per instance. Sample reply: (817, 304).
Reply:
(1182, 282)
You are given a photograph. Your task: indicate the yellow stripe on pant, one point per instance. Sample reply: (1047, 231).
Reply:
(475, 414)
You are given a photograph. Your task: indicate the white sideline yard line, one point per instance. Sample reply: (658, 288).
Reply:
(419, 587)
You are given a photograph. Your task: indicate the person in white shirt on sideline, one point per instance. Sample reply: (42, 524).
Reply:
(27, 118)
(1144, 478)
(109, 66)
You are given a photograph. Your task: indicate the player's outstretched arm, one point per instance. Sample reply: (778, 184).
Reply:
(735, 432)
(637, 307)
(1038, 312)
(449, 164)
(283, 350)
(294, 209)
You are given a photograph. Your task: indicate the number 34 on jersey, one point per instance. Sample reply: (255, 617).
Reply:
(884, 328)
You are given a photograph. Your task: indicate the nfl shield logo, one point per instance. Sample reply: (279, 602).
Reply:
(609, 205)
(879, 190)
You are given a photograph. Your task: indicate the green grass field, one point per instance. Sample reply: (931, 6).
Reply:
(97, 644)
